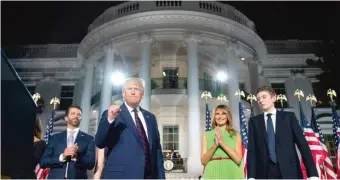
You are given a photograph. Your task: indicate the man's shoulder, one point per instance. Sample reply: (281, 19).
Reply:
(148, 113)
(259, 116)
(57, 135)
(86, 135)
(286, 113)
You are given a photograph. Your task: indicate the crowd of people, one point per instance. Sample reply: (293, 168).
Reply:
(128, 144)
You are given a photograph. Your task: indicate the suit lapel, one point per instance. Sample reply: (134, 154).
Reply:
(129, 122)
(149, 127)
(262, 128)
(79, 137)
(64, 141)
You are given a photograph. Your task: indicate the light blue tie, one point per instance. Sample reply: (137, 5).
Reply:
(271, 138)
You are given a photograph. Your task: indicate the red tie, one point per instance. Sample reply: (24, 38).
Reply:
(145, 143)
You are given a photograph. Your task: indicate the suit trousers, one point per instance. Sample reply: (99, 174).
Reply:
(273, 171)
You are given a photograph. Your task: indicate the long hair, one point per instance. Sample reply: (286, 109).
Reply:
(38, 128)
(226, 110)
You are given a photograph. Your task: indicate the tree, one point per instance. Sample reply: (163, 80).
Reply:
(328, 60)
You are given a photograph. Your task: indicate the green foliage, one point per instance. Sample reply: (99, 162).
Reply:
(328, 60)
(154, 85)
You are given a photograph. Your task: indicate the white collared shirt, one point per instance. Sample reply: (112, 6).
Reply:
(273, 116)
(76, 131)
(140, 115)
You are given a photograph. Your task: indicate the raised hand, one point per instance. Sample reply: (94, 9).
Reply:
(113, 112)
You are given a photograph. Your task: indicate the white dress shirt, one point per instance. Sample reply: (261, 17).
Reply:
(76, 131)
(140, 115)
(273, 116)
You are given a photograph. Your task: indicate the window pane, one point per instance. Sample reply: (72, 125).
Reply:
(175, 129)
(165, 129)
(176, 146)
(65, 103)
(171, 138)
(165, 146)
(175, 137)
(170, 146)
(165, 137)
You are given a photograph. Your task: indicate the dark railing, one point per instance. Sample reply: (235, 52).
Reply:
(214, 87)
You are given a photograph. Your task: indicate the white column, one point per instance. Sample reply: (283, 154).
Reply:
(298, 80)
(253, 76)
(145, 69)
(106, 91)
(86, 97)
(193, 93)
(233, 85)
(254, 81)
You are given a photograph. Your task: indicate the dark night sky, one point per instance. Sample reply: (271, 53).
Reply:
(67, 22)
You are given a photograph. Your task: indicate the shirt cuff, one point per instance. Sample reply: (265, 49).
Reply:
(313, 178)
(61, 158)
(251, 179)
(110, 121)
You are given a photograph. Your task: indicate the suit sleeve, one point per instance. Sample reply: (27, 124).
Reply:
(103, 130)
(50, 158)
(251, 154)
(305, 151)
(88, 160)
(160, 162)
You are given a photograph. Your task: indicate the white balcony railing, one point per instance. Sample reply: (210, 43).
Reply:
(133, 7)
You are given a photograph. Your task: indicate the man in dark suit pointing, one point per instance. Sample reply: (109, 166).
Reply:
(272, 139)
(132, 137)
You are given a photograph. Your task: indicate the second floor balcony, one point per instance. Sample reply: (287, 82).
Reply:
(179, 86)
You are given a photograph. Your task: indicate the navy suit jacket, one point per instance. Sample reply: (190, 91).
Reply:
(126, 159)
(78, 169)
(288, 133)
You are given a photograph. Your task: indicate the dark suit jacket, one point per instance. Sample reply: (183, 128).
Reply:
(78, 169)
(288, 133)
(126, 159)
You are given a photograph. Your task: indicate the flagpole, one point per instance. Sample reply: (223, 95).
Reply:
(300, 94)
(331, 93)
(207, 95)
(312, 99)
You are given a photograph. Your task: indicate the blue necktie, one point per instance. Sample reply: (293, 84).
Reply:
(271, 138)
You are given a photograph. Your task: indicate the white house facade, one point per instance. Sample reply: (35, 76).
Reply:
(177, 47)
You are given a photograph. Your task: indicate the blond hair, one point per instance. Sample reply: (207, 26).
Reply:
(226, 110)
(38, 128)
(139, 81)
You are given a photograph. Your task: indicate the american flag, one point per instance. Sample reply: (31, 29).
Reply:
(318, 153)
(43, 173)
(207, 118)
(327, 170)
(244, 136)
(49, 127)
(336, 136)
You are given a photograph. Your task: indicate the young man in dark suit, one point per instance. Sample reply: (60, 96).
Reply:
(71, 153)
(271, 144)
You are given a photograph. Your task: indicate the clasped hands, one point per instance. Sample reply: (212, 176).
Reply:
(218, 136)
(71, 151)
